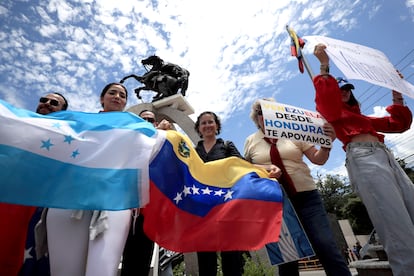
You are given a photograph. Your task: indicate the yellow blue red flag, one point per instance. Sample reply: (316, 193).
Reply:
(296, 46)
(223, 205)
(77, 160)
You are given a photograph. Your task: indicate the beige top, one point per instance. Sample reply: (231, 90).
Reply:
(257, 151)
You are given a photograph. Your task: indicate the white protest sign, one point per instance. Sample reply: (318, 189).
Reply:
(283, 121)
(363, 63)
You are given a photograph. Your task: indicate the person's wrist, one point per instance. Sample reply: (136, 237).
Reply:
(324, 68)
(398, 100)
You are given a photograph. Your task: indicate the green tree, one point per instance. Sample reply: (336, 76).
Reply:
(354, 210)
(340, 200)
(334, 192)
(408, 170)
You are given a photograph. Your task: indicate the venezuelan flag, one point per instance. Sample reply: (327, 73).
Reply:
(222, 205)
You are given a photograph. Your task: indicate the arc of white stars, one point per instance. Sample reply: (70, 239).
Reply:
(178, 198)
(27, 254)
(229, 195)
(187, 191)
(206, 191)
(219, 192)
(195, 190)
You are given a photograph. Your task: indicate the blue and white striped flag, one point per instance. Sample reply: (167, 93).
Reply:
(293, 243)
(74, 160)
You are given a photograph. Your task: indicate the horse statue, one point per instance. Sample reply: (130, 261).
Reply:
(164, 78)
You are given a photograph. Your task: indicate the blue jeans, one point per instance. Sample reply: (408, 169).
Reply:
(388, 195)
(311, 212)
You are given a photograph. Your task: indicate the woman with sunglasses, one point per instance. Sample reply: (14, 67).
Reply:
(375, 175)
(84, 242)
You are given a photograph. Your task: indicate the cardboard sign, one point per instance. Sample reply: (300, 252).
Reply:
(283, 121)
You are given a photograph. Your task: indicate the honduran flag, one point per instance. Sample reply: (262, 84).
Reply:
(74, 160)
(221, 205)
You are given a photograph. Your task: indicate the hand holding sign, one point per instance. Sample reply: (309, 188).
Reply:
(283, 121)
(362, 63)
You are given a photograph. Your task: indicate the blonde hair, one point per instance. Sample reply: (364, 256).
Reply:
(255, 108)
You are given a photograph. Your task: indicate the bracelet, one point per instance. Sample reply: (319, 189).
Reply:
(398, 101)
(325, 68)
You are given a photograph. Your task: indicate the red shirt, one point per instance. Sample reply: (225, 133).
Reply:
(348, 121)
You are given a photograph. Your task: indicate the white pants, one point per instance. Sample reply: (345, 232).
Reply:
(72, 253)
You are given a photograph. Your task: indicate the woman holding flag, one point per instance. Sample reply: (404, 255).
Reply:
(375, 175)
(211, 148)
(84, 242)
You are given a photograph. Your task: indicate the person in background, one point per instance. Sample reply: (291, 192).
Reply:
(136, 258)
(211, 148)
(300, 187)
(15, 218)
(375, 175)
(89, 243)
(52, 102)
(149, 116)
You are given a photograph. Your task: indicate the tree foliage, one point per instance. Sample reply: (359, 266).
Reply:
(334, 193)
(340, 200)
(409, 171)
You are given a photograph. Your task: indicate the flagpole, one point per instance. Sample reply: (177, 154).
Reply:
(308, 68)
(299, 55)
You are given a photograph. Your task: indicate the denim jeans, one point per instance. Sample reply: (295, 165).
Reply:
(388, 195)
(311, 212)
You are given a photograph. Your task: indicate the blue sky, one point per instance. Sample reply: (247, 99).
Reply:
(236, 51)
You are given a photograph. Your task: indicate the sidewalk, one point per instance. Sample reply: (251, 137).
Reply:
(322, 272)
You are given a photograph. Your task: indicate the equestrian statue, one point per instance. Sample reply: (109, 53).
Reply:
(162, 77)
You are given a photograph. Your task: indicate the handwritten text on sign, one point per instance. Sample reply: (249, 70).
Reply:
(283, 121)
(362, 63)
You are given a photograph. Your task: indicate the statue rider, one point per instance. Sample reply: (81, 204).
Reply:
(160, 72)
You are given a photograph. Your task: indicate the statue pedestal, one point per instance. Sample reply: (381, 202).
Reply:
(176, 101)
(175, 109)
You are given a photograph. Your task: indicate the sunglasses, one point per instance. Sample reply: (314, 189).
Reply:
(52, 101)
(149, 120)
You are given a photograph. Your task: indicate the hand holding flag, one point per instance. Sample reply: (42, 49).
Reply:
(223, 205)
(296, 47)
(74, 160)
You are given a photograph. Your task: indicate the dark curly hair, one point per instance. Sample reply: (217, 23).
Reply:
(216, 119)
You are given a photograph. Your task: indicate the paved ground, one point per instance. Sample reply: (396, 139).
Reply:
(322, 273)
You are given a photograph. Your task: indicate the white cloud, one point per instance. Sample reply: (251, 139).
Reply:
(236, 51)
